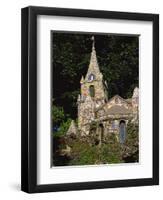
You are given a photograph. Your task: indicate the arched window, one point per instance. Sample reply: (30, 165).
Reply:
(122, 131)
(101, 130)
(92, 90)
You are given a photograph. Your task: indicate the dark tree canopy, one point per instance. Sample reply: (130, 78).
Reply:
(117, 57)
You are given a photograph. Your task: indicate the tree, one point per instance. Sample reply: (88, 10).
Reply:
(58, 115)
(61, 121)
(63, 128)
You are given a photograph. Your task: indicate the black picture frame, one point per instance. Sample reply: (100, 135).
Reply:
(29, 99)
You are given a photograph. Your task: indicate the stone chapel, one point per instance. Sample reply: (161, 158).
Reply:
(98, 114)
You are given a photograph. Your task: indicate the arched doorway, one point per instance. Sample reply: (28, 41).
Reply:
(101, 133)
(122, 131)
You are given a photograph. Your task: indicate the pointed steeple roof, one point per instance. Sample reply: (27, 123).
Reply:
(82, 79)
(135, 92)
(93, 65)
(72, 128)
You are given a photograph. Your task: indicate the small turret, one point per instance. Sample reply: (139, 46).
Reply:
(79, 98)
(135, 96)
(135, 104)
(82, 80)
(136, 92)
(72, 129)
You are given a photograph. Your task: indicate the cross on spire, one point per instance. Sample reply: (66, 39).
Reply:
(93, 43)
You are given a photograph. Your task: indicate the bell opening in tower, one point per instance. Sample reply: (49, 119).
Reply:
(92, 90)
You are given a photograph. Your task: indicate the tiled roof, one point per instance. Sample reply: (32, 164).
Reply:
(117, 109)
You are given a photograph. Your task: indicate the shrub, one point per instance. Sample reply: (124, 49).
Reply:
(84, 150)
(61, 131)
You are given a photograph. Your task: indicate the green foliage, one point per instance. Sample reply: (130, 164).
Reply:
(61, 121)
(58, 115)
(62, 129)
(110, 155)
(131, 147)
(85, 152)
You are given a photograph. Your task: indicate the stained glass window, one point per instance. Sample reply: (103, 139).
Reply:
(122, 132)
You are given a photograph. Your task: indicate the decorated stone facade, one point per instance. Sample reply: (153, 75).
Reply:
(96, 113)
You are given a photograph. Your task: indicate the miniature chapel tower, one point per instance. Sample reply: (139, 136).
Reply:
(93, 93)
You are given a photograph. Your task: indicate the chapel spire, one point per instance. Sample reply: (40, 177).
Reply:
(93, 64)
(92, 87)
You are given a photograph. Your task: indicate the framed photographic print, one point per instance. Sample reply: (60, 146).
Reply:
(90, 99)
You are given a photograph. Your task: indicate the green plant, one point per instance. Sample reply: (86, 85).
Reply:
(58, 115)
(63, 128)
(84, 151)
